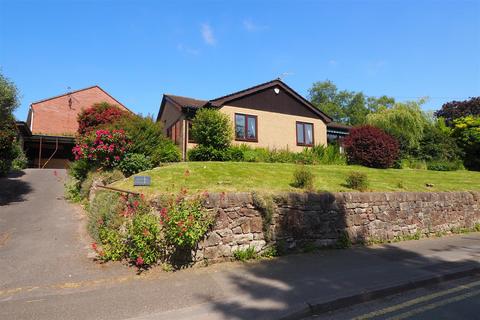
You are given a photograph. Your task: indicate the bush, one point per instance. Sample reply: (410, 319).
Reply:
(303, 178)
(133, 163)
(8, 103)
(371, 147)
(438, 145)
(357, 181)
(144, 240)
(79, 169)
(412, 163)
(211, 128)
(105, 212)
(445, 165)
(113, 244)
(166, 152)
(245, 254)
(185, 221)
(467, 134)
(453, 110)
(207, 153)
(97, 115)
(20, 160)
(102, 148)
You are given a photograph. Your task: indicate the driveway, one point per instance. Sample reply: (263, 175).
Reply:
(42, 238)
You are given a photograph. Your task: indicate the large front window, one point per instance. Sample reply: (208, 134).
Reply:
(304, 134)
(245, 127)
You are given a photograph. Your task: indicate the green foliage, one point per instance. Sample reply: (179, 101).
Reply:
(79, 169)
(133, 163)
(144, 239)
(211, 128)
(270, 252)
(467, 134)
(105, 212)
(405, 121)
(266, 205)
(113, 244)
(8, 103)
(357, 180)
(207, 153)
(106, 177)
(412, 163)
(20, 160)
(445, 165)
(165, 152)
(438, 145)
(245, 254)
(344, 106)
(72, 189)
(303, 178)
(145, 134)
(185, 221)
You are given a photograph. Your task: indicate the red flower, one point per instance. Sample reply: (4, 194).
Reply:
(139, 261)
(146, 233)
(94, 246)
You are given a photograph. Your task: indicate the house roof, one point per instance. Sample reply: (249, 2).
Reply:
(339, 126)
(185, 102)
(79, 90)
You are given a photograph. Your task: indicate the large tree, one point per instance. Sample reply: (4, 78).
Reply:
(8, 103)
(458, 109)
(345, 106)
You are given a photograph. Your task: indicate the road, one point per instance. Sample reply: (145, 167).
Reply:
(459, 299)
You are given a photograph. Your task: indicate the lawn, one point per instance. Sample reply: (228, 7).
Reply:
(276, 177)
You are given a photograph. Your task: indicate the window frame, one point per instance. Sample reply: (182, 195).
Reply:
(246, 116)
(304, 134)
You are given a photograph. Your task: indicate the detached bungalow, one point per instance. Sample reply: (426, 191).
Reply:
(48, 135)
(270, 115)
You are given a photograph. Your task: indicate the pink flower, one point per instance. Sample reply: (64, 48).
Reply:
(139, 261)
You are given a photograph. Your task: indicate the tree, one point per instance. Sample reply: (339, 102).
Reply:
(370, 146)
(466, 131)
(437, 144)
(8, 103)
(344, 106)
(458, 109)
(405, 121)
(97, 115)
(211, 128)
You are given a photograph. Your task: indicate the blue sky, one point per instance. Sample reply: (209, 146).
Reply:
(138, 50)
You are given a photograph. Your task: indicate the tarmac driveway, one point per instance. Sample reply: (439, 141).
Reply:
(42, 237)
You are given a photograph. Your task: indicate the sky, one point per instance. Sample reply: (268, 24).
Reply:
(139, 50)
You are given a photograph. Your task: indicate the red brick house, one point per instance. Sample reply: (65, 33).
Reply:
(52, 125)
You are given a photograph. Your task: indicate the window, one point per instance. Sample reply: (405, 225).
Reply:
(245, 127)
(305, 134)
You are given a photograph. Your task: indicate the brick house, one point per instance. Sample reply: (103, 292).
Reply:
(270, 115)
(48, 134)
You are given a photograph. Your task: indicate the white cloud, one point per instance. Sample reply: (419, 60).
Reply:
(250, 26)
(333, 62)
(207, 34)
(188, 50)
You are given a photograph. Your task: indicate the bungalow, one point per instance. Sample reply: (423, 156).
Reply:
(48, 135)
(270, 115)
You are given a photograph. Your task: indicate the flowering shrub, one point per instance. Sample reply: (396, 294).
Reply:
(99, 114)
(371, 147)
(184, 221)
(144, 240)
(103, 148)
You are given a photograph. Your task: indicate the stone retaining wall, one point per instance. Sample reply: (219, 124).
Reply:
(322, 219)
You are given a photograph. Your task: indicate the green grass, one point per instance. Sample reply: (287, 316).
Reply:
(277, 177)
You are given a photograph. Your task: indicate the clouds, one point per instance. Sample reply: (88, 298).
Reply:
(251, 26)
(207, 34)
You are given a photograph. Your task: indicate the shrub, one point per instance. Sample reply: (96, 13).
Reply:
(105, 212)
(207, 153)
(133, 163)
(211, 128)
(8, 103)
(357, 181)
(72, 189)
(144, 240)
(438, 145)
(20, 160)
(97, 115)
(453, 110)
(102, 148)
(113, 244)
(371, 147)
(79, 169)
(165, 152)
(185, 221)
(303, 178)
(445, 165)
(412, 163)
(467, 134)
(245, 254)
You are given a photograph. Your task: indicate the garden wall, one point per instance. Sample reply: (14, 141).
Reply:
(324, 219)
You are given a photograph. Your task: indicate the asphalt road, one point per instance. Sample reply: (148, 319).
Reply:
(458, 299)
